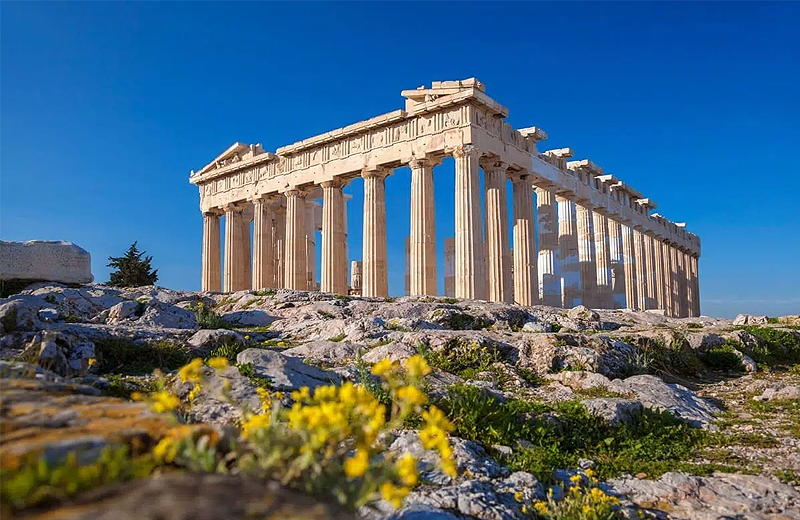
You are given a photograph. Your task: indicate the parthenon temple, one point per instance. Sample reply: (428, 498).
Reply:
(577, 234)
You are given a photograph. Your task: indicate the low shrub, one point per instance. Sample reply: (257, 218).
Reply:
(208, 319)
(461, 357)
(723, 357)
(776, 347)
(123, 356)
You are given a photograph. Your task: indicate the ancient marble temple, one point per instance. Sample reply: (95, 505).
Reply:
(577, 235)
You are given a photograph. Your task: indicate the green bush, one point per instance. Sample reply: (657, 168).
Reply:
(133, 269)
(208, 319)
(460, 357)
(723, 357)
(123, 356)
(776, 347)
(229, 349)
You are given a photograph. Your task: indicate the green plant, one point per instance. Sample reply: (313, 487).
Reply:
(248, 370)
(393, 325)
(228, 349)
(555, 327)
(450, 301)
(277, 342)
(461, 357)
(36, 483)
(122, 386)
(694, 326)
(50, 299)
(583, 500)
(723, 357)
(325, 315)
(133, 269)
(775, 347)
(123, 356)
(265, 292)
(338, 337)
(530, 376)
(73, 318)
(208, 319)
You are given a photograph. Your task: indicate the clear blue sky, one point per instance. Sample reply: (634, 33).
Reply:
(105, 107)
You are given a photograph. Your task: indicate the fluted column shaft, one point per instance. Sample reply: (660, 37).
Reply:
(641, 269)
(676, 292)
(568, 253)
(211, 252)
(279, 246)
(526, 279)
(587, 261)
(311, 245)
(604, 272)
(658, 279)
(617, 256)
(263, 259)
(667, 278)
(498, 255)
(547, 223)
(333, 268)
(687, 266)
(295, 256)
(470, 277)
(696, 284)
(234, 249)
(650, 270)
(422, 245)
(630, 261)
(374, 268)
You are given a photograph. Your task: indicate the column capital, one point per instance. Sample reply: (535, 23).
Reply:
(465, 150)
(213, 212)
(334, 183)
(375, 172)
(493, 164)
(236, 207)
(424, 162)
(520, 176)
(263, 198)
(293, 191)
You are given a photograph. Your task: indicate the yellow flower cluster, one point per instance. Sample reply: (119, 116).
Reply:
(191, 372)
(581, 502)
(434, 436)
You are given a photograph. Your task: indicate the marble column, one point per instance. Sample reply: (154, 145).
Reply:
(526, 279)
(295, 249)
(356, 279)
(650, 270)
(681, 272)
(687, 266)
(568, 253)
(641, 269)
(470, 279)
(658, 279)
(422, 242)
(667, 278)
(263, 259)
(630, 261)
(211, 267)
(587, 260)
(547, 225)
(346, 261)
(234, 248)
(333, 268)
(279, 245)
(311, 245)
(676, 293)
(693, 260)
(617, 256)
(498, 259)
(374, 261)
(602, 247)
(450, 267)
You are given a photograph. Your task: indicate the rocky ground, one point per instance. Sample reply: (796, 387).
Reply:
(695, 418)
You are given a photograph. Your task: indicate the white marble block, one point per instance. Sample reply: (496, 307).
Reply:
(45, 260)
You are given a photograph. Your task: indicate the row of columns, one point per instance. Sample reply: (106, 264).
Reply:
(583, 255)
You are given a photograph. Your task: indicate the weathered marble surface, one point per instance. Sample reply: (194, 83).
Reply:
(45, 260)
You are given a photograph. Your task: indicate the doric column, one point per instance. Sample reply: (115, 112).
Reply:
(617, 256)
(526, 279)
(346, 261)
(498, 259)
(374, 269)
(650, 270)
(641, 269)
(422, 242)
(355, 280)
(666, 279)
(587, 262)
(295, 249)
(211, 267)
(333, 269)
(681, 282)
(450, 267)
(470, 279)
(279, 245)
(234, 250)
(604, 272)
(630, 261)
(568, 253)
(693, 260)
(311, 245)
(675, 275)
(687, 266)
(547, 223)
(658, 278)
(263, 252)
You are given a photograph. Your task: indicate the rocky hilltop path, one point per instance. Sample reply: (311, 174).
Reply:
(695, 418)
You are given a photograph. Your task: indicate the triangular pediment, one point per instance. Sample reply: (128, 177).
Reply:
(233, 152)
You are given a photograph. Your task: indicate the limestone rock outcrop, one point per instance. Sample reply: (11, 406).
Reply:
(45, 260)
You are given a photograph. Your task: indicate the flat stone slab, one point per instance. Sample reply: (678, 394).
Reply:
(44, 260)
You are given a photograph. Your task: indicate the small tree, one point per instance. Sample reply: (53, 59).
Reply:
(132, 270)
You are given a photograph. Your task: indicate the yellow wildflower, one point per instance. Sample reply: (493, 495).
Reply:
(575, 479)
(431, 437)
(587, 509)
(191, 372)
(164, 401)
(263, 395)
(383, 367)
(137, 396)
(325, 393)
(165, 450)
(255, 422)
(540, 507)
(278, 395)
(407, 469)
(449, 468)
(393, 494)
(356, 465)
(200, 304)
(435, 417)
(518, 496)
(302, 394)
(218, 363)
(416, 366)
(525, 509)
(195, 392)
(92, 361)
(411, 395)
(247, 338)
